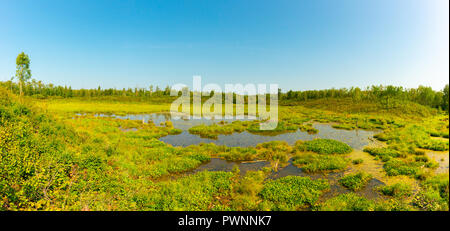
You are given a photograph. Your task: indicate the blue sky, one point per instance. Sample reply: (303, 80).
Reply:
(309, 44)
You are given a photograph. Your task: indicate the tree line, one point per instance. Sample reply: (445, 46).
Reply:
(387, 95)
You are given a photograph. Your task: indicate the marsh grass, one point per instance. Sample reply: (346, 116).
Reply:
(324, 146)
(293, 192)
(355, 181)
(311, 162)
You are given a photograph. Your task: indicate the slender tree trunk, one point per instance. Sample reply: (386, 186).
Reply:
(20, 88)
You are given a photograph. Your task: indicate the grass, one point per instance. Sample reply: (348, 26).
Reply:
(399, 190)
(384, 154)
(311, 162)
(397, 167)
(293, 192)
(324, 146)
(347, 202)
(355, 181)
(52, 159)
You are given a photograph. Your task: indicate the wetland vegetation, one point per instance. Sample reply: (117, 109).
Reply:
(384, 148)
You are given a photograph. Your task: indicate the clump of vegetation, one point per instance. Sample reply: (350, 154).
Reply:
(396, 167)
(384, 154)
(201, 191)
(344, 126)
(347, 202)
(355, 181)
(293, 192)
(324, 146)
(246, 192)
(357, 161)
(398, 190)
(311, 162)
(435, 194)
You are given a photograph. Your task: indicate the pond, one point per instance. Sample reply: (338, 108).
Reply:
(216, 164)
(357, 139)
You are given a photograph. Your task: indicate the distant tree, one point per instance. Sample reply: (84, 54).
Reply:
(23, 72)
(151, 89)
(445, 98)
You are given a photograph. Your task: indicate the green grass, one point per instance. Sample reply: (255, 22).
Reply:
(293, 192)
(347, 202)
(324, 146)
(310, 162)
(399, 190)
(201, 191)
(384, 154)
(355, 181)
(397, 167)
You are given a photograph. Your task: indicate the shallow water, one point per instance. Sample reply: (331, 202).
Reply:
(357, 139)
(442, 158)
(216, 164)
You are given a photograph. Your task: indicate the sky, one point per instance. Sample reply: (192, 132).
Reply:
(299, 44)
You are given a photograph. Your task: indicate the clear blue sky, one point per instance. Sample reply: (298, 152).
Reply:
(309, 44)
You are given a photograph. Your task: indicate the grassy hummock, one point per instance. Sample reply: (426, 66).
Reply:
(355, 181)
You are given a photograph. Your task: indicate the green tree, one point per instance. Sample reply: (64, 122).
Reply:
(445, 98)
(23, 72)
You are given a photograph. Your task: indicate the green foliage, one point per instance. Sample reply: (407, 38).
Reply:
(293, 192)
(435, 194)
(324, 146)
(384, 154)
(355, 181)
(347, 202)
(396, 167)
(310, 162)
(201, 191)
(399, 190)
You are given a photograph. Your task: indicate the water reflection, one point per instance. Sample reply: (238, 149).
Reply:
(357, 139)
